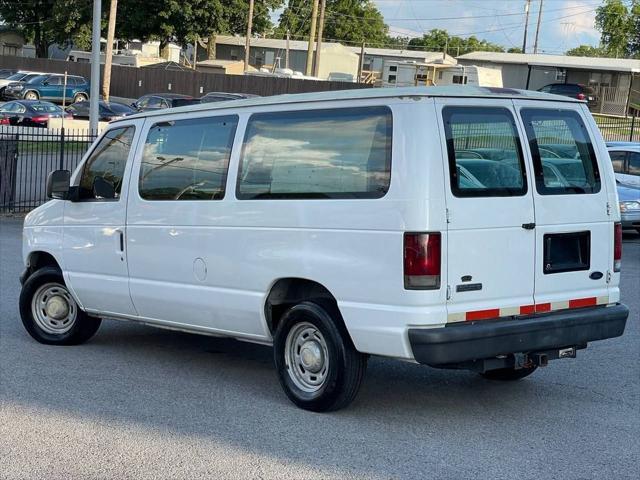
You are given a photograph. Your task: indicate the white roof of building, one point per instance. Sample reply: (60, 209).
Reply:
(276, 43)
(457, 91)
(428, 57)
(561, 61)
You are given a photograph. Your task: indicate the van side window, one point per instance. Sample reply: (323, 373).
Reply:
(108, 160)
(564, 161)
(484, 151)
(634, 163)
(187, 159)
(337, 153)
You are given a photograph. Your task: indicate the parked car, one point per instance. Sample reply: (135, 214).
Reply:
(7, 72)
(223, 96)
(50, 87)
(335, 226)
(573, 90)
(108, 111)
(29, 113)
(629, 202)
(625, 157)
(160, 101)
(16, 77)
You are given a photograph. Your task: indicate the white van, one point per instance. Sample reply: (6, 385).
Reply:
(457, 227)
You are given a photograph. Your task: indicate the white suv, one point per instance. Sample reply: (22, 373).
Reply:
(457, 227)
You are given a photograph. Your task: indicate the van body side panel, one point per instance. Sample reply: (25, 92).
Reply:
(560, 214)
(490, 255)
(211, 263)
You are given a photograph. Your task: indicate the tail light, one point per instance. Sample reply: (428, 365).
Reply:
(581, 96)
(422, 261)
(40, 119)
(617, 246)
(4, 121)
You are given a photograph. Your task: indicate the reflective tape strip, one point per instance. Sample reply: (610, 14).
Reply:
(527, 309)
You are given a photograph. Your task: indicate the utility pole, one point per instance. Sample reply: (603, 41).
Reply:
(535, 45)
(312, 31)
(286, 53)
(527, 7)
(195, 52)
(316, 67)
(106, 77)
(94, 98)
(248, 41)
(361, 63)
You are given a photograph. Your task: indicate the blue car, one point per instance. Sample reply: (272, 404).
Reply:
(629, 201)
(49, 87)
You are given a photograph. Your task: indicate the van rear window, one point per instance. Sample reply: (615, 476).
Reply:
(337, 153)
(563, 157)
(485, 155)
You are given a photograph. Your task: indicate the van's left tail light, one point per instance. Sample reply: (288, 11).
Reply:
(422, 261)
(617, 246)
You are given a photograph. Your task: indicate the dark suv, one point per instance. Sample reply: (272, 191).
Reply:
(573, 90)
(49, 87)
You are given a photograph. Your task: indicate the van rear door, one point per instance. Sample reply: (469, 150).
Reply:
(574, 231)
(490, 240)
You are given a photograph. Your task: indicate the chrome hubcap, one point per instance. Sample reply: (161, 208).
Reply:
(53, 308)
(306, 357)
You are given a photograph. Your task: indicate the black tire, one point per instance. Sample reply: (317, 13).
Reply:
(82, 327)
(346, 366)
(509, 374)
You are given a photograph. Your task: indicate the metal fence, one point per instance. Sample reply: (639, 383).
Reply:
(626, 129)
(28, 155)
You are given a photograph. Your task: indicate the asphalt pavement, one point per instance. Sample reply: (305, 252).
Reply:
(139, 402)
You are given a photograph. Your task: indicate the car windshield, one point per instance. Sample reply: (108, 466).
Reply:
(119, 108)
(16, 76)
(46, 108)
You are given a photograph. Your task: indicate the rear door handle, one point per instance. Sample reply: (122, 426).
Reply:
(529, 226)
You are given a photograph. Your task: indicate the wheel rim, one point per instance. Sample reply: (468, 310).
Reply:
(31, 96)
(53, 308)
(306, 357)
(80, 98)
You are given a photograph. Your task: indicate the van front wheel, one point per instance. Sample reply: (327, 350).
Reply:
(50, 314)
(318, 366)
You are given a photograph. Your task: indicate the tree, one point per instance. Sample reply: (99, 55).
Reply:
(586, 51)
(617, 30)
(634, 42)
(45, 22)
(440, 40)
(347, 21)
(515, 50)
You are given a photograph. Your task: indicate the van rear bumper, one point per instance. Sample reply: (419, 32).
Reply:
(458, 343)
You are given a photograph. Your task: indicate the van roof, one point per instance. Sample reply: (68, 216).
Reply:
(365, 93)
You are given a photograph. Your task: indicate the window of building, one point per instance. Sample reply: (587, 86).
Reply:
(561, 75)
(337, 153)
(187, 159)
(459, 79)
(484, 152)
(107, 160)
(392, 79)
(563, 156)
(393, 68)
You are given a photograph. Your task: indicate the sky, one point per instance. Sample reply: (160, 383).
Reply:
(565, 23)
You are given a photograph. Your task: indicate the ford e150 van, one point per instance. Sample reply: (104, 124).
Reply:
(457, 227)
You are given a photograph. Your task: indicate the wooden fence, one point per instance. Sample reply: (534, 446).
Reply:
(131, 82)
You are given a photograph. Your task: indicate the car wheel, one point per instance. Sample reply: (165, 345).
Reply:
(80, 97)
(509, 374)
(318, 366)
(49, 312)
(31, 95)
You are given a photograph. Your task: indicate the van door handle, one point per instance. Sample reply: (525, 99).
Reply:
(121, 240)
(529, 226)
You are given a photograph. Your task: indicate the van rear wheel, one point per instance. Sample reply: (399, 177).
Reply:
(509, 374)
(50, 314)
(318, 366)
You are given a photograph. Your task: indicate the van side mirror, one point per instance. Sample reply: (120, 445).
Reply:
(103, 188)
(58, 183)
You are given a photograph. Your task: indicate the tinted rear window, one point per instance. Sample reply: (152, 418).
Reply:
(484, 151)
(563, 156)
(338, 153)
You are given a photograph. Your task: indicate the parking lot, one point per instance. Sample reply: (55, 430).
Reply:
(139, 402)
